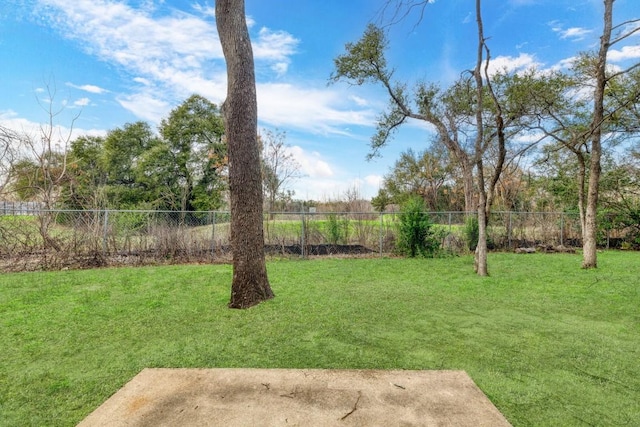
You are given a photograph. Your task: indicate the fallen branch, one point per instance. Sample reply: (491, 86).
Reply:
(355, 406)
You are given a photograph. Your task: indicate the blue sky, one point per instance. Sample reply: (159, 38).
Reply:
(119, 61)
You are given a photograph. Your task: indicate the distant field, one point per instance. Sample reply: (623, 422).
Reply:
(549, 343)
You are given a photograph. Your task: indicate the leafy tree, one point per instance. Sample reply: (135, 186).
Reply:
(192, 153)
(87, 176)
(250, 284)
(182, 168)
(424, 174)
(27, 179)
(598, 120)
(621, 191)
(472, 119)
(381, 200)
(587, 125)
(365, 62)
(123, 156)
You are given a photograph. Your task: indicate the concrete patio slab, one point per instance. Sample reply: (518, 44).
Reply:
(291, 397)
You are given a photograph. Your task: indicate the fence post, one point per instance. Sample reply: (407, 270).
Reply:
(381, 231)
(509, 230)
(105, 229)
(302, 242)
(562, 229)
(213, 232)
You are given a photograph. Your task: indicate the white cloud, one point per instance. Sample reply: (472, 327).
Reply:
(625, 53)
(374, 180)
(320, 111)
(142, 81)
(172, 56)
(565, 63)
(311, 164)
(167, 53)
(82, 102)
(324, 182)
(632, 27)
(280, 68)
(205, 10)
(89, 88)
(361, 102)
(145, 105)
(529, 137)
(11, 120)
(334, 189)
(274, 45)
(322, 190)
(574, 33)
(522, 62)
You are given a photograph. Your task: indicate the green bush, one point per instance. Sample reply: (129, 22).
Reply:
(415, 234)
(334, 229)
(130, 221)
(471, 232)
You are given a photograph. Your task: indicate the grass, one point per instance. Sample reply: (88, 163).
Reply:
(549, 343)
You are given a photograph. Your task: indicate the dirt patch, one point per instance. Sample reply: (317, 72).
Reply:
(36, 261)
(318, 250)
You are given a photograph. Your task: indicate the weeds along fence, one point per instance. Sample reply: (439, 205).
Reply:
(54, 239)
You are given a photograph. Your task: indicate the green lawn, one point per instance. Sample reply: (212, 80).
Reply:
(550, 344)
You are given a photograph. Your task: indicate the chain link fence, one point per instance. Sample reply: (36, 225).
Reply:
(57, 239)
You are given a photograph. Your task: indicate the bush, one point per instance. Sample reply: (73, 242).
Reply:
(334, 230)
(471, 232)
(415, 234)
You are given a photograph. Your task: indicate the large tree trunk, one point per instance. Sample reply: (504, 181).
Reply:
(250, 284)
(589, 253)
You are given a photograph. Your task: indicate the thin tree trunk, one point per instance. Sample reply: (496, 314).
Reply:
(467, 182)
(250, 284)
(480, 261)
(589, 252)
(481, 250)
(582, 176)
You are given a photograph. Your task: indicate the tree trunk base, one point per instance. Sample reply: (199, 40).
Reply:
(245, 298)
(250, 286)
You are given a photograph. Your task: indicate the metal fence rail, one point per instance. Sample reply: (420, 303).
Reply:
(19, 208)
(37, 238)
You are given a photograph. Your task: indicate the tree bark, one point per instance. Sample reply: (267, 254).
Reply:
(250, 284)
(589, 252)
(468, 185)
(480, 262)
(582, 176)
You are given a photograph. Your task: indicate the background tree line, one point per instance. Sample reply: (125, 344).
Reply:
(183, 166)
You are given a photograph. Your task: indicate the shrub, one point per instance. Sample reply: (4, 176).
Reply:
(415, 234)
(334, 230)
(471, 232)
